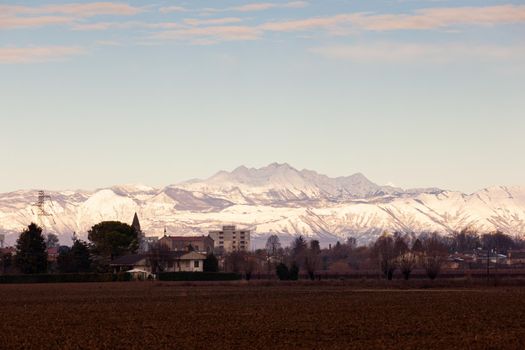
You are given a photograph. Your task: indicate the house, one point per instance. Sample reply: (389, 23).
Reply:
(186, 262)
(8, 251)
(230, 239)
(202, 244)
(516, 257)
(481, 256)
(130, 262)
(52, 254)
(178, 261)
(459, 261)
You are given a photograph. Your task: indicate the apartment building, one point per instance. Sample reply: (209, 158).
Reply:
(230, 239)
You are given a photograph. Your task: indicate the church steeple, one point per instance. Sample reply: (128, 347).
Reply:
(140, 235)
(136, 224)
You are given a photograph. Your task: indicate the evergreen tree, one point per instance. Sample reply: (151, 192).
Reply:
(31, 252)
(65, 260)
(315, 246)
(282, 272)
(294, 272)
(74, 259)
(80, 256)
(211, 264)
(299, 245)
(112, 239)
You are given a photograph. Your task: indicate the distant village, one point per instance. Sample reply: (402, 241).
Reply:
(123, 250)
(180, 253)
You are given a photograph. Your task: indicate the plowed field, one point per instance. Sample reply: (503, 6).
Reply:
(153, 315)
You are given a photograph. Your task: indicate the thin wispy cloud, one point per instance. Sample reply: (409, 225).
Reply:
(210, 35)
(75, 9)
(11, 22)
(98, 26)
(240, 27)
(427, 53)
(212, 21)
(344, 24)
(14, 55)
(16, 16)
(256, 7)
(431, 18)
(268, 6)
(172, 9)
(443, 17)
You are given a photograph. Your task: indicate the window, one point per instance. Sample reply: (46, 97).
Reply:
(196, 263)
(242, 242)
(196, 247)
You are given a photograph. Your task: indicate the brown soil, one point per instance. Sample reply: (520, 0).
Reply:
(153, 315)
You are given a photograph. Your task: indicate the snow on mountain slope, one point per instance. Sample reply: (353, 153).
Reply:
(274, 199)
(278, 183)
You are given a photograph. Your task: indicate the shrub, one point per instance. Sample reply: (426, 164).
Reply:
(65, 278)
(282, 272)
(294, 272)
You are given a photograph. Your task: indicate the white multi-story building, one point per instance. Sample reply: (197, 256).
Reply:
(230, 239)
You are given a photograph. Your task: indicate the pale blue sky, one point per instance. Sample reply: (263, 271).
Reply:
(413, 93)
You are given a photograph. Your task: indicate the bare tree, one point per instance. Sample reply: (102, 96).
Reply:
(465, 241)
(311, 259)
(299, 249)
(52, 241)
(405, 259)
(407, 262)
(351, 242)
(249, 265)
(159, 258)
(273, 252)
(273, 245)
(435, 252)
(400, 245)
(234, 261)
(383, 253)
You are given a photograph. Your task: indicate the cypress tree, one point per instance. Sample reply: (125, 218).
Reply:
(31, 252)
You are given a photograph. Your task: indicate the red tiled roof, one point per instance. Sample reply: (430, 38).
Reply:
(186, 238)
(52, 251)
(8, 250)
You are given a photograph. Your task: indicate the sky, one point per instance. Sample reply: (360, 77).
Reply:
(410, 93)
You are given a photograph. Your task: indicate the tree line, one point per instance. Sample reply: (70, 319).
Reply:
(389, 253)
(106, 241)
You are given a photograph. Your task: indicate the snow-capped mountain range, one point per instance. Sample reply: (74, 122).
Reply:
(274, 199)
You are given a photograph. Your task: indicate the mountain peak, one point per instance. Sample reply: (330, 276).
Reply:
(276, 165)
(283, 182)
(274, 199)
